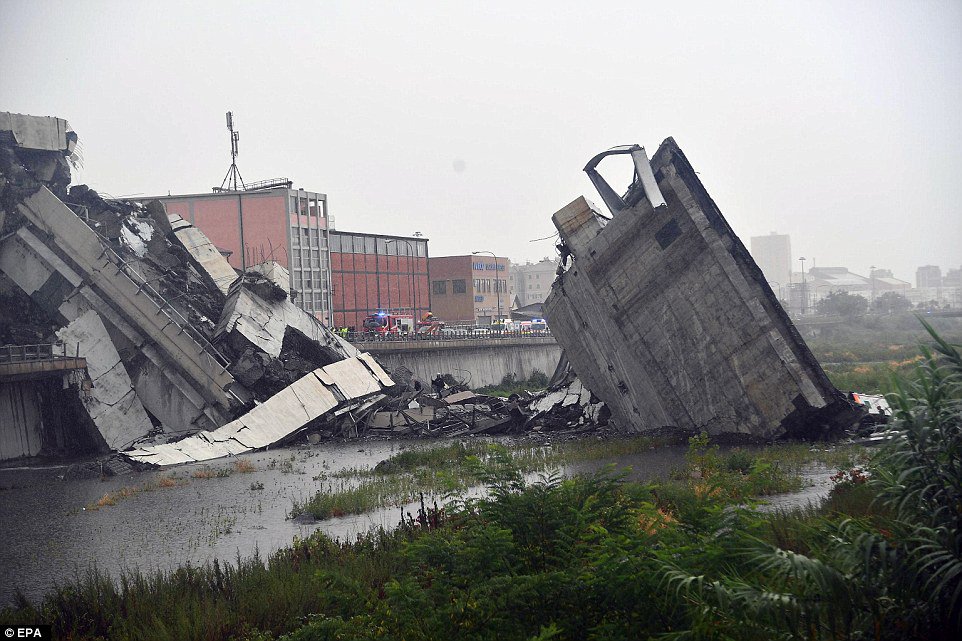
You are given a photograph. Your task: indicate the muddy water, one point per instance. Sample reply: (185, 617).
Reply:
(49, 533)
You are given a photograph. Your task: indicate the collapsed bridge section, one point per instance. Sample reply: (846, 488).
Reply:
(664, 315)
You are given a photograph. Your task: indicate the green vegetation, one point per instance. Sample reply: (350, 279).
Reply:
(865, 355)
(511, 385)
(597, 557)
(842, 304)
(446, 471)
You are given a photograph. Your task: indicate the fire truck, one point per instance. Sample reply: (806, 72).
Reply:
(382, 324)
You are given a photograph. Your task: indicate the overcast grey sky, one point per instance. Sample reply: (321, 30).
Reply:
(839, 123)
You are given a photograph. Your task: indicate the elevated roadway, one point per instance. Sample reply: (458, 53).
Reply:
(477, 361)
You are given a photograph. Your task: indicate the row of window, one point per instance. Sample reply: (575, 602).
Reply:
(487, 285)
(308, 280)
(309, 258)
(440, 287)
(311, 302)
(482, 285)
(348, 244)
(308, 237)
(307, 206)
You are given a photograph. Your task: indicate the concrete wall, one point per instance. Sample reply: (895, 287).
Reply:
(666, 318)
(21, 426)
(479, 363)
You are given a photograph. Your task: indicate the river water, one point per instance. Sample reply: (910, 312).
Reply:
(50, 534)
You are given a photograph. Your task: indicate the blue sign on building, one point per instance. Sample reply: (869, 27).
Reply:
(487, 266)
(479, 299)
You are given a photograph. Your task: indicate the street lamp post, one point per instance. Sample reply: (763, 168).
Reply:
(497, 283)
(871, 277)
(804, 292)
(413, 257)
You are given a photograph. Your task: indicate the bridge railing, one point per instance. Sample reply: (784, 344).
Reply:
(449, 334)
(37, 352)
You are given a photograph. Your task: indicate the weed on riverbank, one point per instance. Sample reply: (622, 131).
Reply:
(598, 557)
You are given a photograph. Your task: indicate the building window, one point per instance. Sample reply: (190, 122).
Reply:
(458, 287)
(368, 245)
(335, 243)
(439, 287)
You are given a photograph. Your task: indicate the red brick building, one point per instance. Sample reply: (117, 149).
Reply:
(470, 290)
(277, 223)
(372, 273)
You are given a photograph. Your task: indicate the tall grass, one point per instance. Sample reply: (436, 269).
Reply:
(884, 558)
(598, 557)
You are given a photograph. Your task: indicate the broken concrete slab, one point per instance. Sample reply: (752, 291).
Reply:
(205, 256)
(250, 320)
(664, 315)
(328, 391)
(41, 133)
(276, 283)
(188, 351)
(111, 402)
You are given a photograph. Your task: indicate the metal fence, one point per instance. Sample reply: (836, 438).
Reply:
(38, 352)
(447, 334)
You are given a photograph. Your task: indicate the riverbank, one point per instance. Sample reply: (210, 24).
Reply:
(57, 527)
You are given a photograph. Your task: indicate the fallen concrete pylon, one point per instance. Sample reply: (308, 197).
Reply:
(664, 315)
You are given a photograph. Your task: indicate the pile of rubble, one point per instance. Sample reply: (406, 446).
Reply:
(177, 357)
(175, 342)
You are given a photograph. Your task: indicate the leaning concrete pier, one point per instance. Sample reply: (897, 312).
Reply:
(664, 315)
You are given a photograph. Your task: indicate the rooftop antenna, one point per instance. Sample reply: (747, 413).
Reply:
(233, 177)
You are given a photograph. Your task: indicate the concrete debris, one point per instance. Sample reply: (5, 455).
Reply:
(112, 402)
(252, 321)
(664, 315)
(161, 318)
(209, 262)
(564, 406)
(275, 283)
(336, 390)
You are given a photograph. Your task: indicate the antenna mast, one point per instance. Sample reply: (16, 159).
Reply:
(233, 177)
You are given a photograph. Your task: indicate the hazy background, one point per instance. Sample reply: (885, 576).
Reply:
(839, 123)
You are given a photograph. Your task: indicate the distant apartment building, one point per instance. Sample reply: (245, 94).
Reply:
(928, 277)
(374, 273)
(953, 278)
(773, 255)
(276, 222)
(469, 290)
(530, 283)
